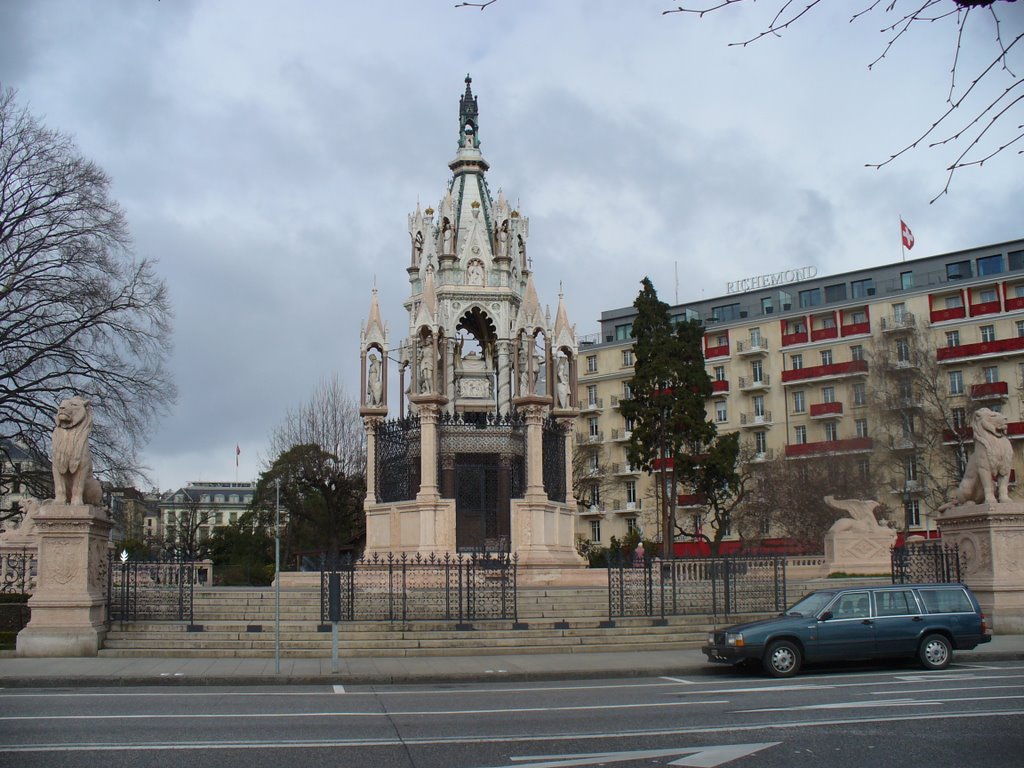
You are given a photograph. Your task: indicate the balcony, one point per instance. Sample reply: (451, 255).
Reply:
(898, 323)
(986, 308)
(953, 313)
(621, 434)
(797, 337)
(751, 420)
(766, 455)
(832, 371)
(829, 447)
(585, 438)
(752, 347)
(624, 468)
(720, 386)
(692, 500)
(821, 334)
(722, 351)
(616, 400)
(630, 507)
(983, 349)
(750, 384)
(826, 410)
(592, 405)
(1013, 303)
(990, 390)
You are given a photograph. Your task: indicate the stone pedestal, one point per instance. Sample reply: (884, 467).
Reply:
(991, 542)
(68, 607)
(859, 552)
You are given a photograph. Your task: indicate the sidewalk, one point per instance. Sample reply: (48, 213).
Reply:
(82, 672)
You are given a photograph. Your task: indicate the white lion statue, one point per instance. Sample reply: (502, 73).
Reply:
(987, 477)
(73, 482)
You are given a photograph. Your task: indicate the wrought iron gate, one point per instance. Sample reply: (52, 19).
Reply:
(459, 588)
(477, 506)
(721, 585)
(157, 590)
(926, 562)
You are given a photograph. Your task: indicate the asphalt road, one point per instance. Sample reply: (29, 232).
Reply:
(970, 714)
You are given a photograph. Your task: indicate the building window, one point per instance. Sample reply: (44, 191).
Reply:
(755, 337)
(757, 371)
(831, 432)
(1020, 328)
(899, 311)
(826, 357)
(991, 374)
(959, 418)
(799, 402)
(902, 351)
(631, 491)
(759, 406)
(627, 391)
(595, 530)
(864, 469)
(725, 312)
(627, 358)
(828, 394)
(631, 525)
(912, 512)
(952, 338)
(761, 442)
(796, 326)
(910, 469)
(796, 362)
(987, 295)
(857, 352)
(623, 332)
(719, 373)
(858, 317)
(988, 333)
(766, 306)
(828, 321)
(955, 301)
(906, 281)
(592, 426)
(835, 292)
(956, 382)
(859, 289)
(860, 394)
(592, 394)
(862, 427)
(721, 414)
(810, 297)
(630, 424)
(990, 265)
(591, 363)
(1016, 260)
(958, 270)
(800, 435)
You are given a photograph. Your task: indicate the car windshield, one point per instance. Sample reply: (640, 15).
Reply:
(810, 605)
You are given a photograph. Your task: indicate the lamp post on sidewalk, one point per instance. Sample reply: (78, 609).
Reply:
(277, 579)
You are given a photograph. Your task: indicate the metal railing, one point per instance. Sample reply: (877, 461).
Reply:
(925, 563)
(154, 590)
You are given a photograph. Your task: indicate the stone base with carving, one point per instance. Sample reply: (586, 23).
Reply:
(990, 538)
(544, 534)
(863, 553)
(68, 607)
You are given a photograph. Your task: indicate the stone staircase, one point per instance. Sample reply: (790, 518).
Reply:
(240, 623)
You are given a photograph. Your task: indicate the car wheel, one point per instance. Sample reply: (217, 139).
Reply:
(935, 652)
(782, 659)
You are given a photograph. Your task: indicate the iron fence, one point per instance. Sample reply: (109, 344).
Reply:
(714, 586)
(18, 569)
(155, 590)
(460, 588)
(925, 563)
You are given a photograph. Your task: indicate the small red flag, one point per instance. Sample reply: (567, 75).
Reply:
(908, 236)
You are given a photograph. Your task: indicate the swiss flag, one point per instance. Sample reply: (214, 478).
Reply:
(908, 236)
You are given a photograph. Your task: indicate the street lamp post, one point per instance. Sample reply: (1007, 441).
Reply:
(277, 579)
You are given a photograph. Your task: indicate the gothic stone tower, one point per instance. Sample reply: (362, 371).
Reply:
(478, 457)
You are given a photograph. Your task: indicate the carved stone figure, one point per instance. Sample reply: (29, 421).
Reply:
(503, 240)
(861, 515)
(73, 482)
(426, 373)
(374, 384)
(562, 385)
(446, 237)
(475, 273)
(987, 477)
(417, 248)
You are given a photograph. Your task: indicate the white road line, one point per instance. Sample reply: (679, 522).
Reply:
(946, 690)
(409, 713)
(678, 680)
(846, 705)
(498, 739)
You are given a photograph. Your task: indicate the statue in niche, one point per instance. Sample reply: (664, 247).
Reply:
(475, 273)
(374, 384)
(417, 247)
(426, 373)
(459, 343)
(522, 251)
(562, 386)
(503, 240)
(446, 237)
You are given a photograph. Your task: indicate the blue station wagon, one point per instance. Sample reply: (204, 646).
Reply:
(927, 621)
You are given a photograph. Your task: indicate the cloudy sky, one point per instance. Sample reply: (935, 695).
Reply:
(268, 153)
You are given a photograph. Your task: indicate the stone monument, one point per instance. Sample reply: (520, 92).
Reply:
(857, 544)
(72, 531)
(988, 526)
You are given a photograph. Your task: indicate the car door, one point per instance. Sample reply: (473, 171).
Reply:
(846, 629)
(898, 622)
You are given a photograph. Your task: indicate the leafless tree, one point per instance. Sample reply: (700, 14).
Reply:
(968, 122)
(186, 539)
(592, 476)
(79, 313)
(919, 425)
